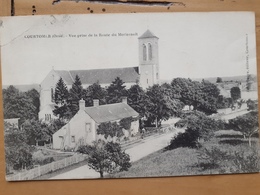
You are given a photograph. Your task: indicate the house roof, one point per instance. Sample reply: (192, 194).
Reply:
(103, 76)
(110, 112)
(147, 34)
(223, 91)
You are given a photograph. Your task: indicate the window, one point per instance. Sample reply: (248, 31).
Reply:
(52, 95)
(147, 81)
(73, 139)
(47, 117)
(144, 52)
(88, 129)
(150, 52)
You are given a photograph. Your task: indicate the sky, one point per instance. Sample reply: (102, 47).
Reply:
(191, 45)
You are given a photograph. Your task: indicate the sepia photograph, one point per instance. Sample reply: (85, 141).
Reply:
(129, 95)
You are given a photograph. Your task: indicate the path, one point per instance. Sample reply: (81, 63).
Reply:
(234, 114)
(136, 152)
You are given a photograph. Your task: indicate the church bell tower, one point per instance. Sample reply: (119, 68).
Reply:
(148, 60)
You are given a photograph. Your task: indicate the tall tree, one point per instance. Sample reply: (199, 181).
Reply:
(235, 93)
(186, 91)
(116, 91)
(210, 89)
(136, 99)
(61, 97)
(202, 96)
(160, 106)
(18, 105)
(95, 91)
(75, 94)
(34, 95)
(106, 157)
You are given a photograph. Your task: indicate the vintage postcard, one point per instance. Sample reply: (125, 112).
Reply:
(129, 95)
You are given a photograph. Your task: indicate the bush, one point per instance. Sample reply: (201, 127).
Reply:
(211, 157)
(239, 160)
(23, 160)
(186, 139)
(126, 123)
(40, 159)
(251, 105)
(198, 126)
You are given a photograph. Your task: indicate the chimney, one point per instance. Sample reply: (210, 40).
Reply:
(81, 104)
(95, 102)
(124, 100)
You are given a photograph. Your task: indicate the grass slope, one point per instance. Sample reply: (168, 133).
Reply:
(186, 161)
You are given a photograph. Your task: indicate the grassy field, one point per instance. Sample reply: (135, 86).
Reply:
(224, 153)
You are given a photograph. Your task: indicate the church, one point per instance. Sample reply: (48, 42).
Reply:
(145, 74)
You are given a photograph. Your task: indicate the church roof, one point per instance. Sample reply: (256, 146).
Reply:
(103, 76)
(110, 112)
(147, 34)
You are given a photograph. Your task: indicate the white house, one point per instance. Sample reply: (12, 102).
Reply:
(82, 128)
(145, 74)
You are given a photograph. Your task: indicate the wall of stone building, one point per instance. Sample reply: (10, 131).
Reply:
(149, 67)
(45, 88)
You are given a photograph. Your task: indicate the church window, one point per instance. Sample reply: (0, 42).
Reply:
(47, 117)
(150, 52)
(144, 53)
(52, 95)
(147, 81)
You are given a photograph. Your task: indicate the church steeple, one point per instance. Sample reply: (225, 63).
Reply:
(148, 59)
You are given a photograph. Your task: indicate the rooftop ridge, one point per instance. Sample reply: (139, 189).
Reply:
(105, 105)
(100, 69)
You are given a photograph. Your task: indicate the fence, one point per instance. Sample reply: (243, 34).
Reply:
(149, 132)
(42, 170)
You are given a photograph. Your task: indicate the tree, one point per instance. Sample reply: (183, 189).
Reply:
(116, 91)
(75, 94)
(106, 157)
(251, 105)
(61, 95)
(235, 93)
(219, 80)
(18, 105)
(136, 99)
(34, 95)
(159, 106)
(247, 124)
(95, 91)
(223, 102)
(210, 89)
(17, 152)
(199, 125)
(35, 131)
(56, 125)
(202, 96)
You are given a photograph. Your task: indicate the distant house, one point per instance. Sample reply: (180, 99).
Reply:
(82, 128)
(226, 86)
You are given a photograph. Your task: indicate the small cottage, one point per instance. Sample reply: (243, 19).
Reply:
(82, 128)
